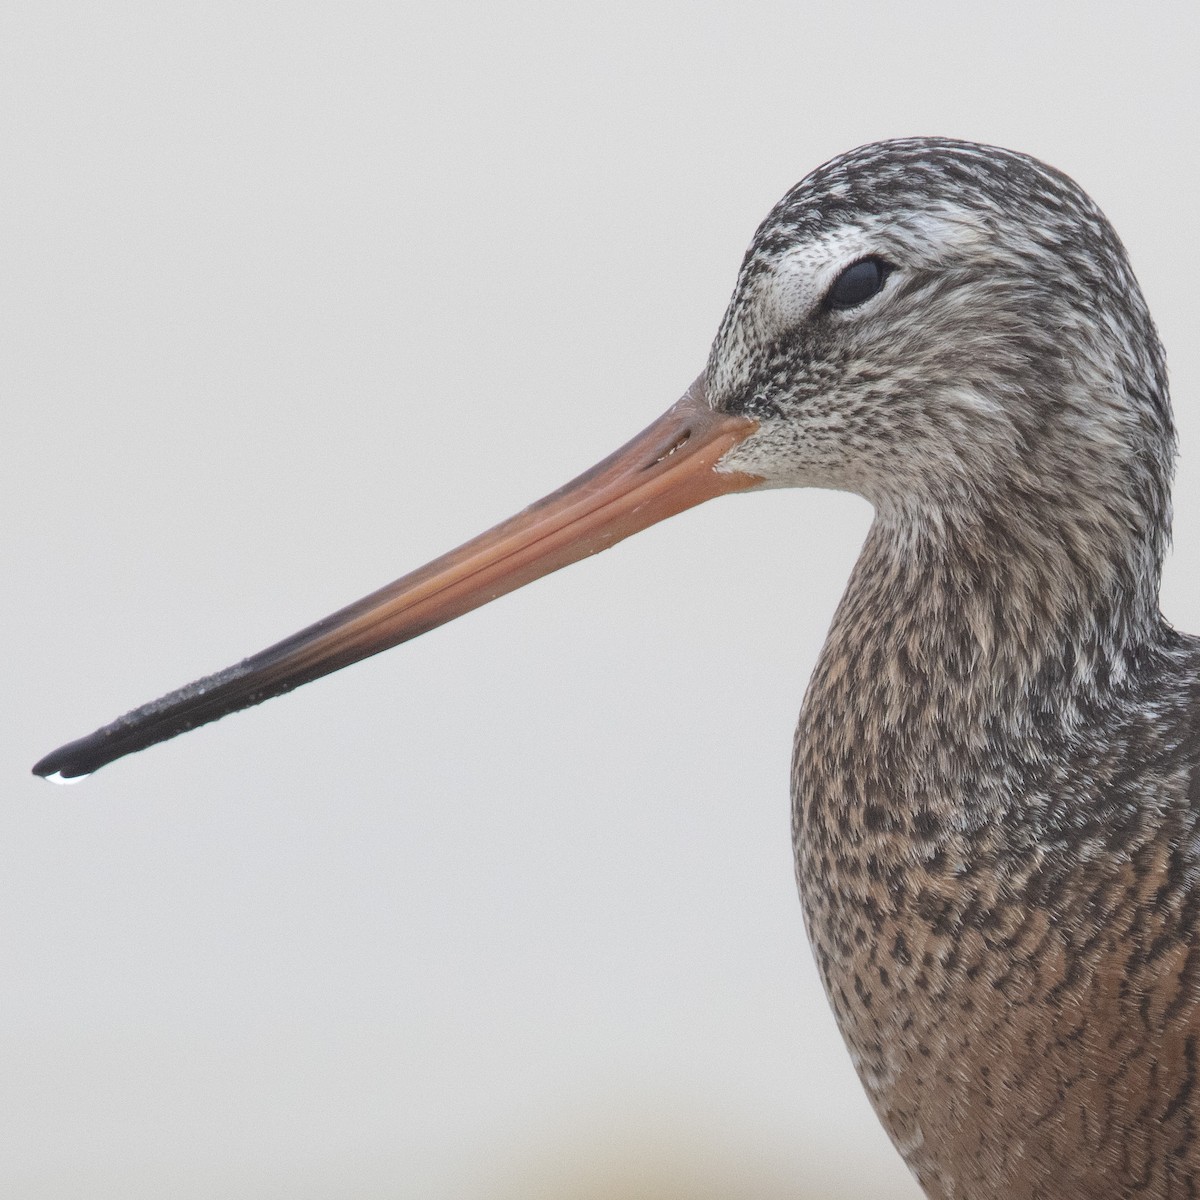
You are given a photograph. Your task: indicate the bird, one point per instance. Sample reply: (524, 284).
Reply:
(996, 770)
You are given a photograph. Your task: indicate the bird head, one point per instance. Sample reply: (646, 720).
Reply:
(951, 330)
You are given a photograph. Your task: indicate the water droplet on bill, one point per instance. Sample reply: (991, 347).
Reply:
(60, 778)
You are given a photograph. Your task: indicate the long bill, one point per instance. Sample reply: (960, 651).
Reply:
(669, 467)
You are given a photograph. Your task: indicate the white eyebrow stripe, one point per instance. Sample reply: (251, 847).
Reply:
(798, 279)
(795, 281)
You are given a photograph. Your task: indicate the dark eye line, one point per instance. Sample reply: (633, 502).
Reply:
(857, 283)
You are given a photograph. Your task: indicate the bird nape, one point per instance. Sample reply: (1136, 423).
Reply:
(996, 781)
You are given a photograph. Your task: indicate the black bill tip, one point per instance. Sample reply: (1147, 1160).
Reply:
(68, 764)
(196, 704)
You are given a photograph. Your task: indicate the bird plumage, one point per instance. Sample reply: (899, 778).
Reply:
(996, 777)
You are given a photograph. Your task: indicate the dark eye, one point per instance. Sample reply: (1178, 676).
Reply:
(858, 282)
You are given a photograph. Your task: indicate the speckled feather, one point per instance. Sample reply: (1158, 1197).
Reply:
(997, 768)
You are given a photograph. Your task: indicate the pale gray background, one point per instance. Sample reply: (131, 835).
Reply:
(296, 296)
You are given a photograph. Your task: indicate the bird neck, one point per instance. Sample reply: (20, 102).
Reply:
(961, 631)
(1013, 599)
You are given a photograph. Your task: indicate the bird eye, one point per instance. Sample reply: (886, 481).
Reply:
(857, 283)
